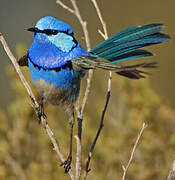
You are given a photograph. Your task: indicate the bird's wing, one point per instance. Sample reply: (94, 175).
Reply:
(131, 71)
(23, 60)
(89, 62)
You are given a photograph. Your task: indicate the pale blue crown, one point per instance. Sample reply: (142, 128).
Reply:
(50, 22)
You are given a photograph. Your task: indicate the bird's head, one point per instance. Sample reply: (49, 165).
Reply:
(54, 44)
(51, 30)
(51, 26)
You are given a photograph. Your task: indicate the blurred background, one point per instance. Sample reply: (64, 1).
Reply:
(25, 150)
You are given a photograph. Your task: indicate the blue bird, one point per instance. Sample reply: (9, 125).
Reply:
(57, 62)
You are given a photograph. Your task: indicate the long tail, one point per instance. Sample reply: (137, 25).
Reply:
(128, 44)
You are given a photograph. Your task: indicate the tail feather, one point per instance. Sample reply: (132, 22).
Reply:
(127, 44)
(129, 34)
(138, 53)
(130, 46)
(133, 73)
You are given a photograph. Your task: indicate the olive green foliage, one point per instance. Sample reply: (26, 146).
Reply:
(26, 151)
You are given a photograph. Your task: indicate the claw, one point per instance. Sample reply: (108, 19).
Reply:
(67, 164)
(40, 111)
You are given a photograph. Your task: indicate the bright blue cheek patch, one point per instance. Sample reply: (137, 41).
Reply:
(63, 41)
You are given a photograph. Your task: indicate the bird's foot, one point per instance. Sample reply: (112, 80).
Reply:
(67, 164)
(40, 113)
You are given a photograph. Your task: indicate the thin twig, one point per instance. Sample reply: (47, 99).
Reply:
(83, 23)
(86, 92)
(17, 68)
(90, 73)
(97, 134)
(125, 169)
(171, 175)
(101, 19)
(105, 36)
(65, 6)
(101, 33)
(80, 117)
(35, 104)
(78, 159)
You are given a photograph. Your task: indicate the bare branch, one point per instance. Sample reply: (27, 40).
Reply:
(83, 23)
(76, 12)
(171, 175)
(17, 68)
(78, 159)
(125, 169)
(101, 33)
(86, 92)
(105, 36)
(35, 104)
(65, 6)
(90, 74)
(97, 135)
(101, 18)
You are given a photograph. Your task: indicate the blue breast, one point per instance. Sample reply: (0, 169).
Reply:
(61, 79)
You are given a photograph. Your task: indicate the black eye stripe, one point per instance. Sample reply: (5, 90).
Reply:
(50, 32)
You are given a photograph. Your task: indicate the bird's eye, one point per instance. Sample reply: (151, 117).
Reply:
(54, 32)
(50, 32)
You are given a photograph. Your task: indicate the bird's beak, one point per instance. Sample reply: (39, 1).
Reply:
(33, 29)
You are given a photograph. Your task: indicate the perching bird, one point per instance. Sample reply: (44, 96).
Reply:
(57, 62)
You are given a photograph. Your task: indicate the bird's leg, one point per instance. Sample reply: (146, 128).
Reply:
(40, 110)
(67, 163)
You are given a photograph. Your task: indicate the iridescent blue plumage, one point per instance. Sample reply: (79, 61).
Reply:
(49, 60)
(47, 54)
(53, 51)
(50, 22)
(57, 62)
(61, 79)
(127, 43)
